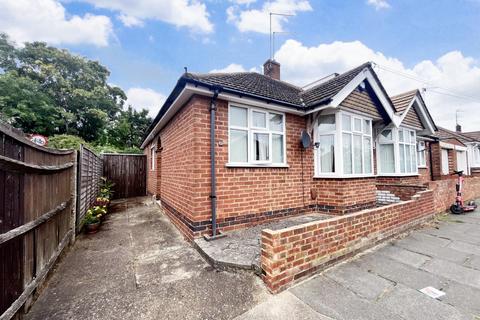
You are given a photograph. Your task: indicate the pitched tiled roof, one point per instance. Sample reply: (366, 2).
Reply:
(263, 86)
(475, 135)
(403, 100)
(443, 133)
(252, 83)
(328, 89)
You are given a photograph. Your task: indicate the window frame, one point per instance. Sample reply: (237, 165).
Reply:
(152, 157)
(396, 151)
(251, 130)
(421, 164)
(476, 156)
(339, 171)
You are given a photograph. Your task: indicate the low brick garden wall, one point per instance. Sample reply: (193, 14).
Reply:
(292, 253)
(403, 191)
(444, 192)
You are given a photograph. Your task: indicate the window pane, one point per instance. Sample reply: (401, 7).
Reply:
(367, 127)
(357, 154)
(414, 160)
(347, 153)
(367, 154)
(259, 119)
(326, 150)
(238, 117)
(445, 165)
(260, 141)
(387, 158)
(277, 148)
(326, 123)
(346, 123)
(401, 136)
(408, 159)
(387, 134)
(238, 146)
(276, 122)
(412, 137)
(402, 158)
(357, 124)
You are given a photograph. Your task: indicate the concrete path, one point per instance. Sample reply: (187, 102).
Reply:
(139, 267)
(385, 283)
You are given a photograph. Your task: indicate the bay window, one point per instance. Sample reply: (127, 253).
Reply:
(476, 155)
(397, 151)
(256, 136)
(344, 145)
(421, 154)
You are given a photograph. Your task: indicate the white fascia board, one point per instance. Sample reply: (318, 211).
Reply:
(183, 97)
(365, 74)
(423, 115)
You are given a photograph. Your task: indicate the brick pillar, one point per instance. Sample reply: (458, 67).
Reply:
(436, 161)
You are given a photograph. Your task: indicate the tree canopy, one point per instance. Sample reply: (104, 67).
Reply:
(51, 91)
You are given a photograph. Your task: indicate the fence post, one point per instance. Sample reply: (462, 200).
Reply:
(73, 187)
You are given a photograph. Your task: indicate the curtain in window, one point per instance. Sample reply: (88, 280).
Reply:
(238, 146)
(357, 153)
(277, 148)
(367, 150)
(387, 158)
(261, 146)
(327, 151)
(347, 153)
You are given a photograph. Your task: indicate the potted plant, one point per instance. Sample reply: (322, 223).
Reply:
(106, 188)
(91, 222)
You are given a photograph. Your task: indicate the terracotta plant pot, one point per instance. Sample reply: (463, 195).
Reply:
(92, 227)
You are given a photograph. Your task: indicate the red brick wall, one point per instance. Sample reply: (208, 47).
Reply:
(151, 174)
(444, 192)
(401, 190)
(289, 254)
(245, 196)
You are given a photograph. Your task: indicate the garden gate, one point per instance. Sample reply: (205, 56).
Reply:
(128, 172)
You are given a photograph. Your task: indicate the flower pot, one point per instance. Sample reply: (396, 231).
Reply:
(92, 227)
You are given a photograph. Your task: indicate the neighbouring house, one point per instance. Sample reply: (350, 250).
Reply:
(473, 150)
(225, 147)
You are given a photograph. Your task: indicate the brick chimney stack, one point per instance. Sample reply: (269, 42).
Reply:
(458, 128)
(271, 68)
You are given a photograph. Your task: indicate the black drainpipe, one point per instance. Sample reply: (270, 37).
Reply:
(213, 194)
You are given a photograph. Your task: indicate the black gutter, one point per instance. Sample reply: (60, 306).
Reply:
(213, 176)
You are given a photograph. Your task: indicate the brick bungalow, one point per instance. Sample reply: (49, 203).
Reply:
(226, 147)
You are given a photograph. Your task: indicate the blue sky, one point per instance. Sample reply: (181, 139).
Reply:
(146, 43)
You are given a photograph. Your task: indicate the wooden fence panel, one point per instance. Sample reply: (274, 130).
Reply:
(128, 172)
(90, 168)
(37, 214)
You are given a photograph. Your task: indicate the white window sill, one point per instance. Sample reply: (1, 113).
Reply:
(345, 176)
(398, 175)
(256, 165)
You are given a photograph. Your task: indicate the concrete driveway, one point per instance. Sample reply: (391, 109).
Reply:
(385, 283)
(139, 267)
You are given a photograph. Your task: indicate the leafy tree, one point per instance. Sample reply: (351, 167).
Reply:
(65, 141)
(53, 92)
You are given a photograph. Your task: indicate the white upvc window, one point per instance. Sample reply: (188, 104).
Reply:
(397, 152)
(476, 155)
(445, 164)
(344, 145)
(152, 157)
(256, 137)
(462, 161)
(421, 154)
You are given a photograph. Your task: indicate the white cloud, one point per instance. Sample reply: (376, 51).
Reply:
(257, 20)
(243, 2)
(461, 75)
(181, 13)
(145, 98)
(130, 21)
(378, 4)
(233, 67)
(46, 20)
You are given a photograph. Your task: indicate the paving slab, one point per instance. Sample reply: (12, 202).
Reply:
(414, 305)
(404, 256)
(453, 271)
(330, 298)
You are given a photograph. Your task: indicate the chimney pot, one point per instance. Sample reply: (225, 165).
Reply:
(458, 128)
(271, 68)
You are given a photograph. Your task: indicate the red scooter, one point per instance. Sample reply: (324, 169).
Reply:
(459, 206)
